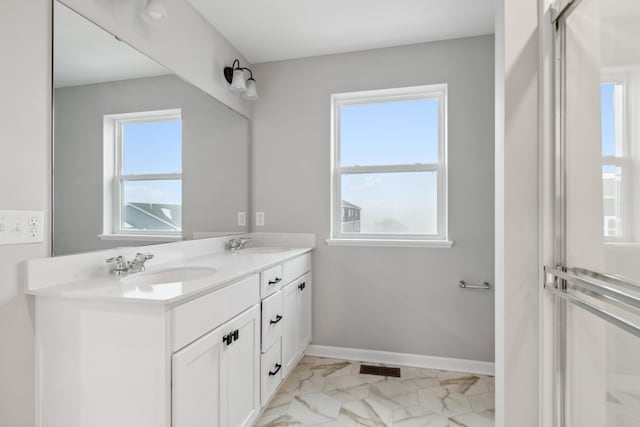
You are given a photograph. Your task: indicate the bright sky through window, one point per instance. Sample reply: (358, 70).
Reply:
(389, 133)
(607, 99)
(388, 163)
(153, 148)
(613, 173)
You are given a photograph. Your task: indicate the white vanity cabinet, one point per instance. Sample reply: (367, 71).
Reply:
(214, 359)
(286, 321)
(215, 380)
(109, 364)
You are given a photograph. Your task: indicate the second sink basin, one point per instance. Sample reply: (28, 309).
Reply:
(168, 275)
(263, 250)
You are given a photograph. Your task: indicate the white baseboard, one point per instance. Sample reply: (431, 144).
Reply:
(403, 359)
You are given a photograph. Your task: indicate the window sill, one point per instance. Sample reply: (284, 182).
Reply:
(141, 237)
(622, 244)
(391, 243)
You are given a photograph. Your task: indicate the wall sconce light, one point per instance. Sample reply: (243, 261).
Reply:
(154, 11)
(235, 76)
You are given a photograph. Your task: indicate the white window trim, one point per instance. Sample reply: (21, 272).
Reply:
(113, 176)
(439, 240)
(620, 77)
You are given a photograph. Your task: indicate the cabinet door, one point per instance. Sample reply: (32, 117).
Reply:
(304, 312)
(196, 383)
(289, 327)
(241, 364)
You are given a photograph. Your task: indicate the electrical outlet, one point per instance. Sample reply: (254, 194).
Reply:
(259, 219)
(242, 219)
(19, 227)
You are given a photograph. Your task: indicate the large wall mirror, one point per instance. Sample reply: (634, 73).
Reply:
(139, 155)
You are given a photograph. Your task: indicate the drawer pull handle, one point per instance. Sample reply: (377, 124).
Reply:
(278, 367)
(302, 285)
(276, 280)
(278, 319)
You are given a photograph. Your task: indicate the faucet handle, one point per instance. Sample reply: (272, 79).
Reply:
(144, 256)
(119, 260)
(244, 241)
(120, 266)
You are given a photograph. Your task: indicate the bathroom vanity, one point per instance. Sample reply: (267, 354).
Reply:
(203, 337)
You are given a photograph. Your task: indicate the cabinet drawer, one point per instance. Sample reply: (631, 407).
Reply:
(195, 318)
(272, 320)
(271, 372)
(270, 281)
(296, 267)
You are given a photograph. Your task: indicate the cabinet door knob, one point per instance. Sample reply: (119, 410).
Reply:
(278, 367)
(236, 335)
(276, 280)
(302, 285)
(278, 319)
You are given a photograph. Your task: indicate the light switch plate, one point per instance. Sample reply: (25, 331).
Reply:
(20, 227)
(259, 219)
(242, 219)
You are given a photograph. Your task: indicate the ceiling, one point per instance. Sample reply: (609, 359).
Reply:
(86, 54)
(274, 30)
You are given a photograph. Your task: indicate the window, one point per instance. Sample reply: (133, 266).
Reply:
(389, 167)
(614, 158)
(143, 173)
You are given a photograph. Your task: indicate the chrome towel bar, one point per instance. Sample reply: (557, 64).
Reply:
(466, 285)
(599, 286)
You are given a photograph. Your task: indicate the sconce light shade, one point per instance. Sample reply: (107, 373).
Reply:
(235, 76)
(238, 84)
(154, 11)
(252, 92)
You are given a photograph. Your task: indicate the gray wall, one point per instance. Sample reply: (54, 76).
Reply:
(215, 157)
(394, 299)
(24, 184)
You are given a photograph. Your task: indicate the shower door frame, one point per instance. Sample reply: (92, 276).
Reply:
(553, 344)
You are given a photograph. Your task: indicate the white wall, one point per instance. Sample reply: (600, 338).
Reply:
(185, 42)
(517, 262)
(393, 299)
(24, 184)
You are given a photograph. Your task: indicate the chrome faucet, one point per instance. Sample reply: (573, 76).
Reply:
(122, 267)
(237, 244)
(137, 265)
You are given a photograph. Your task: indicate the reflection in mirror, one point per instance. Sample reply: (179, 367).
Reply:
(140, 156)
(601, 97)
(619, 61)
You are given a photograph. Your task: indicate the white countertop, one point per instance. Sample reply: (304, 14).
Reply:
(229, 267)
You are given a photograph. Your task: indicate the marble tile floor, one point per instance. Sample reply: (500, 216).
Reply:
(331, 393)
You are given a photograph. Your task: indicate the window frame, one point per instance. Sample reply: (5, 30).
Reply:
(116, 177)
(621, 108)
(441, 238)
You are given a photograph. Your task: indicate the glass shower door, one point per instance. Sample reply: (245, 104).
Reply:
(597, 276)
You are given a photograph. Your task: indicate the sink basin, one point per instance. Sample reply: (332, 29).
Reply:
(263, 250)
(168, 275)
